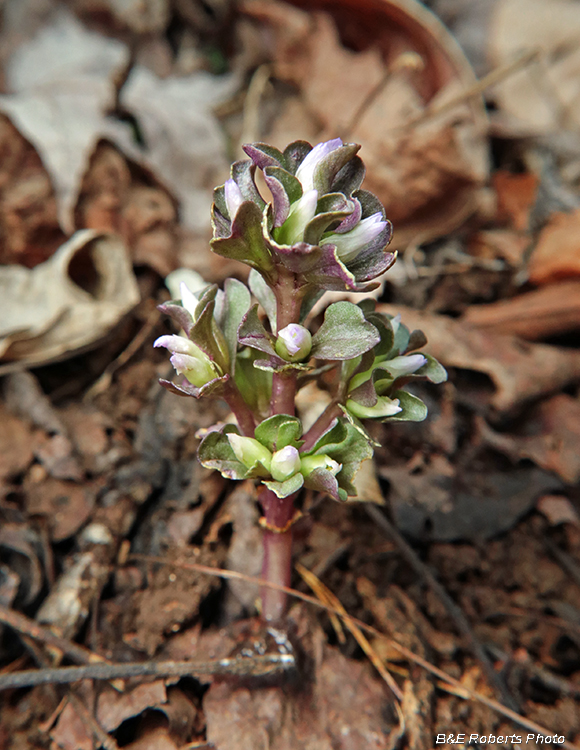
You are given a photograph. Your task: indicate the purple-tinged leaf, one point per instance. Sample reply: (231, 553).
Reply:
(344, 334)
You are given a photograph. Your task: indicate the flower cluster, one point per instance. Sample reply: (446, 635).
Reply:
(251, 345)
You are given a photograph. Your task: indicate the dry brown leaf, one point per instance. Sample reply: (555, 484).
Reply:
(543, 96)
(15, 445)
(558, 509)
(516, 195)
(551, 437)
(66, 506)
(70, 732)
(557, 254)
(519, 370)
(545, 312)
(114, 707)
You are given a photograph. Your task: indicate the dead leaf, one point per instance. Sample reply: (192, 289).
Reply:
(62, 81)
(15, 445)
(557, 253)
(548, 311)
(519, 370)
(22, 540)
(541, 97)
(516, 195)
(550, 437)
(70, 301)
(113, 708)
(66, 506)
(156, 738)
(558, 509)
(70, 732)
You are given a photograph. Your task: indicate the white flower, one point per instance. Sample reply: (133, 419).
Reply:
(350, 243)
(301, 212)
(233, 197)
(285, 463)
(188, 299)
(189, 360)
(306, 170)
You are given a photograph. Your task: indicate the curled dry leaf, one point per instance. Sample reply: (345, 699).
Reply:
(519, 370)
(114, 708)
(426, 168)
(67, 303)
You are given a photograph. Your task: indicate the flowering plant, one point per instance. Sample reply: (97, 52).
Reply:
(251, 345)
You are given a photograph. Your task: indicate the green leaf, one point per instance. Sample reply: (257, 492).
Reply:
(286, 488)
(433, 371)
(206, 334)
(246, 242)
(236, 305)
(344, 334)
(414, 410)
(279, 431)
(345, 444)
(255, 385)
(253, 334)
(215, 452)
(322, 480)
(264, 294)
(330, 208)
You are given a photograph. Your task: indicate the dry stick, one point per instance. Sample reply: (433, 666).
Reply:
(454, 611)
(259, 665)
(254, 94)
(29, 627)
(450, 684)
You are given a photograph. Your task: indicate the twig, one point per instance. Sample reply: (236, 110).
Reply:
(29, 627)
(251, 115)
(454, 611)
(449, 683)
(103, 739)
(258, 665)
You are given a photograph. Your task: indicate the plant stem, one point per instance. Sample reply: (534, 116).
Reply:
(242, 412)
(277, 566)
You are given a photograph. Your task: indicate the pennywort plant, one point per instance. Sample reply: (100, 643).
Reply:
(251, 345)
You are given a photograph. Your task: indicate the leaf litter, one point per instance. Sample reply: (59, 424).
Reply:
(86, 483)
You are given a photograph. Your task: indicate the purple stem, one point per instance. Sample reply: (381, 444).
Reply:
(242, 412)
(321, 425)
(277, 566)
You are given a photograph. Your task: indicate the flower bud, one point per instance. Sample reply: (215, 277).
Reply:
(350, 243)
(233, 197)
(306, 170)
(251, 453)
(301, 212)
(319, 461)
(285, 463)
(189, 360)
(294, 343)
(385, 407)
(405, 365)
